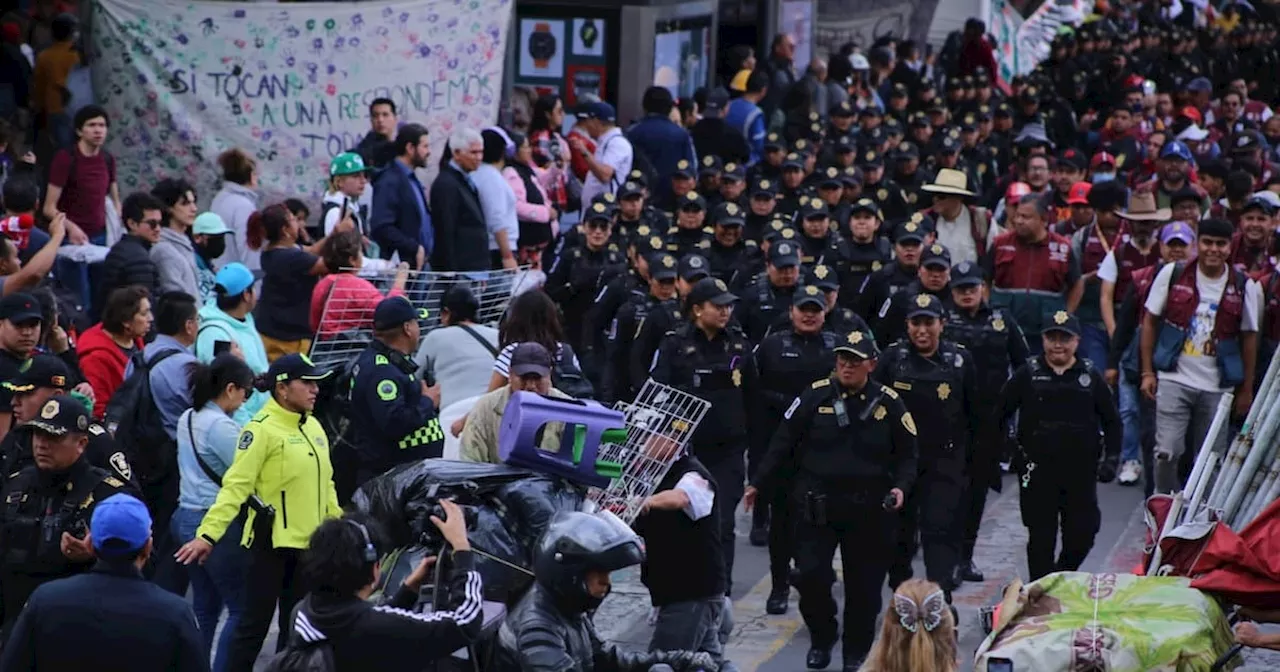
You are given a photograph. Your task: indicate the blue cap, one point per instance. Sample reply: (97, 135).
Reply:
(966, 274)
(924, 304)
(235, 277)
(600, 110)
(120, 525)
(394, 311)
(1175, 149)
(1061, 321)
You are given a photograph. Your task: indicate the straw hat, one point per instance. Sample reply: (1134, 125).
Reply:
(1142, 207)
(739, 81)
(951, 182)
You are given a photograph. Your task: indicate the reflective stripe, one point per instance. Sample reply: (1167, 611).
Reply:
(428, 433)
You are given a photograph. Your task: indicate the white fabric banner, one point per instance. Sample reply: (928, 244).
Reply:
(289, 83)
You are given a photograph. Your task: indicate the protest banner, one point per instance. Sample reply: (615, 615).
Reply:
(289, 83)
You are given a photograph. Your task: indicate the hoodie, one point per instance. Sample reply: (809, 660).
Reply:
(216, 325)
(175, 259)
(103, 364)
(371, 636)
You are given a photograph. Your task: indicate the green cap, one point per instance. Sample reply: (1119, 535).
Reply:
(346, 163)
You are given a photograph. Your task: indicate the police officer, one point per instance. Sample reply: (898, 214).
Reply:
(761, 203)
(839, 320)
(661, 291)
(732, 257)
(630, 284)
(764, 300)
(819, 244)
(868, 252)
(634, 219)
(931, 278)
(996, 343)
(936, 379)
(1062, 403)
(577, 275)
(893, 277)
(792, 185)
(39, 379)
(851, 444)
(394, 414)
(47, 505)
(787, 360)
(690, 235)
(878, 187)
(710, 358)
(662, 319)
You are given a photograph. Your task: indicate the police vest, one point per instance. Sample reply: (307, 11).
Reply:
(1030, 280)
(1183, 300)
(987, 340)
(713, 370)
(850, 461)
(33, 524)
(933, 394)
(1059, 413)
(867, 258)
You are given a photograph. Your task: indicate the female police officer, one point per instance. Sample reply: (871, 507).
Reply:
(282, 468)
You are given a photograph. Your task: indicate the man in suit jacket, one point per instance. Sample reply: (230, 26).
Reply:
(400, 219)
(461, 239)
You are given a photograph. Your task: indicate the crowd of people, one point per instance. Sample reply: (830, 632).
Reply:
(894, 276)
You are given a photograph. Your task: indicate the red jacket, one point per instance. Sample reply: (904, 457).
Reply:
(103, 364)
(978, 53)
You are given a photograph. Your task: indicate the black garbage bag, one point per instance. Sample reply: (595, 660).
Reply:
(507, 510)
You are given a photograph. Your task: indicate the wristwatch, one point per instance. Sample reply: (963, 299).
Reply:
(542, 44)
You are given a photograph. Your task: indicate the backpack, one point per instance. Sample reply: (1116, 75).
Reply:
(567, 377)
(301, 654)
(71, 170)
(135, 422)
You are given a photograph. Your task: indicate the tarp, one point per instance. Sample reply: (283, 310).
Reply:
(290, 83)
(1116, 622)
(507, 511)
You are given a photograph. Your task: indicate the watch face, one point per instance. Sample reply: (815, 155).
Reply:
(542, 45)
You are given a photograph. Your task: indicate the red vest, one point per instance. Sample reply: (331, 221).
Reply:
(1094, 251)
(1042, 267)
(1271, 314)
(1253, 111)
(1254, 263)
(1184, 298)
(1129, 261)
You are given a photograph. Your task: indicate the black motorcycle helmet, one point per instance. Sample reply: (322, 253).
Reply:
(576, 542)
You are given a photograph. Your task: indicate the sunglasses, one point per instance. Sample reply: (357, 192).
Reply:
(598, 226)
(153, 223)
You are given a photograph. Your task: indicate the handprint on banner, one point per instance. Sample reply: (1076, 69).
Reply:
(208, 27)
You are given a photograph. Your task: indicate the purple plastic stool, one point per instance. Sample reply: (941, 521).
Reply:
(526, 412)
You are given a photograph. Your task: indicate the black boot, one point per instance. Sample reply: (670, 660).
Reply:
(819, 657)
(778, 600)
(970, 572)
(853, 665)
(759, 534)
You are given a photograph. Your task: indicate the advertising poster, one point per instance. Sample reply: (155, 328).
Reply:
(542, 48)
(585, 80)
(681, 59)
(588, 38)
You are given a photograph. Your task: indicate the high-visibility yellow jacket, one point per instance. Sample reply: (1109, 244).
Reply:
(283, 457)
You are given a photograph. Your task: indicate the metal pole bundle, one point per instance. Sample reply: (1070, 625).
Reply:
(1245, 440)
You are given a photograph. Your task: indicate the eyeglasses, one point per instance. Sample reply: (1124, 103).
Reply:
(153, 223)
(598, 226)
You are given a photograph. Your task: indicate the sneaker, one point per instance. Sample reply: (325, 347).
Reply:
(1130, 472)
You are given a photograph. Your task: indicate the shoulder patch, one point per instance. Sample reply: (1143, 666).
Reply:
(113, 482)
(246, 438)
(908, 422)
(821, 383)
(97, 430)
(121, 464)
(891, 393)
(387, 390)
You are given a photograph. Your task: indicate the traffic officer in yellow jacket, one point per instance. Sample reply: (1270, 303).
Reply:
(394, 414)
(282, 470)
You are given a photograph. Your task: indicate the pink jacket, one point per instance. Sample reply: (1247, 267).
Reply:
(525, 210)
(350, 303)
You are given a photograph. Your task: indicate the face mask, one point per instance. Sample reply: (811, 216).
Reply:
(214, 247)
(1099, 178)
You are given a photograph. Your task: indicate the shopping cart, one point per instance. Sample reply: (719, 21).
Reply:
(659, 426)
(346, 325)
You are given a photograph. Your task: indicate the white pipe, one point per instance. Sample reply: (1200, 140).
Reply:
(1272, 493)
(1199, 472)
(1261, 448)
(1243, 442)
(1256, 497)
(1197, 495)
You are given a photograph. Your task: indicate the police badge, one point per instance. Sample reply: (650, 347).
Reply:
(944, 391)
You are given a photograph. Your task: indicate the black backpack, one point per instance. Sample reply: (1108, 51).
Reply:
(135, 422)
(568, 378)
(301, 655)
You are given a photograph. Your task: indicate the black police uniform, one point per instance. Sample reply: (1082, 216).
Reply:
(575, 280)
(732, 264)
(939, 391)
(882, 285)
(617, 383)
(887, 195)
(847, 449)
(659, 321)
(786, 361)
(720, 370)
(681, 241)
(762, 302)
(1060, 416)
(891, 322)
(39, 506)
(997, 345)
(623, 288)
(830, 249)
(392, 420)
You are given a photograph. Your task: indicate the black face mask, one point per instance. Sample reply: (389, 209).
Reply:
(213, 247)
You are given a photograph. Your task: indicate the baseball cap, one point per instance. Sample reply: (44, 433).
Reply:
(693, 267)
(1245, 141)
(394, 311)
(295, 366)
(1079, 193)
(774, 141)
(784, 255)
(812, 208)
(842, 109)
(713, 290)
(925, 304)
(870, 159)
(1062, 321)
(865, 205)
(1191, 113)
(824, 277)
(1258, 202)
(599, 211)
(1102, 159)
(598, 110)
(346, 163)
(809, 295)
(683, 169)
(1200, 85)
(909, 231)
(235, 277)
(717, 100)
(1072, 158)
(693, 201)
(20, 307)
(1177, 231)
(662, 267)
(966, 274)
(530, 358)
(793, 160)
(61, 415)
(39, 371)
(936, 255)
(1175, 149)
(829, 177)
(209, 224)
(859, 344)
(711, 164)
(630, 188)
(851, 176)
(733, 172)
(120, 525)
(763, 187)
(729, 214)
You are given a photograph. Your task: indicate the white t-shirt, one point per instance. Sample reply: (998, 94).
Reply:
(957, 237)
(1197, 366)
(501, 364)
(613, 150)
(1108, 271)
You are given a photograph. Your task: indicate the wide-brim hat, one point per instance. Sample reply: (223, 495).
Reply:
(951, 182)
(1142, 207)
